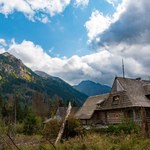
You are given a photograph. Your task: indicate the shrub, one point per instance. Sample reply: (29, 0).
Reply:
(32, 123)
(72, 128)
(3, 128)
(51, 129)
(19, 128)
(126, 128)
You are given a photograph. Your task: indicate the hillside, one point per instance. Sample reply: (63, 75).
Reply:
(91, 88)
(17, 79)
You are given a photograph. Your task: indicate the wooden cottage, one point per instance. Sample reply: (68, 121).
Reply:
(87, 113)
(124, 102)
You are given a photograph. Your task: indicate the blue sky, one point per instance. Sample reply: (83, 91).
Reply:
(78, 39)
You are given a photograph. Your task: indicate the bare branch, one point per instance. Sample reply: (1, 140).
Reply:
(13, 142)
(6, 142)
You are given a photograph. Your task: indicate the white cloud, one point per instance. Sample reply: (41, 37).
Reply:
(38, 10)
(43, 18)
(101, 66)
(49, 6)
(97, 24)
(114, 3)
(2, 42)
(2, 50)
(32, 8)
(81, 3)
(125, 25)
(8, 7)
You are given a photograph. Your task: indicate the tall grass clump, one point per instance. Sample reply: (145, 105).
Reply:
(117, 129)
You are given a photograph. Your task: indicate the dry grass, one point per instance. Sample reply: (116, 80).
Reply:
(91, 141)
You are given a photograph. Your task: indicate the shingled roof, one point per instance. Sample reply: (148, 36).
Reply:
(132, 93)
(88, 108)
(136, 91)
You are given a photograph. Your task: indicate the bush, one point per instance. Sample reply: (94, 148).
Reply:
(72, 128)
(126, 128)
(19, 128)
(32, 123)
(51, 129)
(3, 127)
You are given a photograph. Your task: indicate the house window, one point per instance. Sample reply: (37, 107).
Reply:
(84, 122)
(148, 96)
(115, 100)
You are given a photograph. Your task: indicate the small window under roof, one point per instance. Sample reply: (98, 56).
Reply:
(148, 96)
(115, 100)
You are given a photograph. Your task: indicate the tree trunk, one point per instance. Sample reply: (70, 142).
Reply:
(63, 124)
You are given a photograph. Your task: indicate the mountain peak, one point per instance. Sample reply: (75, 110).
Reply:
(11, 57)
(10, 65)
(88, 82)
(7, 54)
(91, 88)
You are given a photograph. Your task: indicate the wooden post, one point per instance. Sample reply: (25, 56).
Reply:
(144, 124)
(134, 116)
(64, 123)
(105, 117)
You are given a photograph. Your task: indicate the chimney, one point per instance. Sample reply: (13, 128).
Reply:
(139, 78)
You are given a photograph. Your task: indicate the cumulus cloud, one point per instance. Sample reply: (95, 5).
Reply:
(96, 24)
(2, 45)
(101, 66)
(3, 42)
(114, 3)
(38, 10)
(2, 50)
(81, 3)
(129, 24)
(32, 8)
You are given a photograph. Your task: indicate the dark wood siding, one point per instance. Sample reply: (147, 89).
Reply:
(148, 115)
(114, 117)
(99, 117)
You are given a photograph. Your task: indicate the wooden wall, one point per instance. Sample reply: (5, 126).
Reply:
(114, 117)
(99, 117)
(148, 115)
(117, 116)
